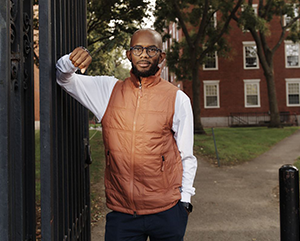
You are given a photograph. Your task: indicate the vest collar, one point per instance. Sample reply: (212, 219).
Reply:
(146, 81)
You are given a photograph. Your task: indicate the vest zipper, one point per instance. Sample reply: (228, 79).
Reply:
(140, 88)
(133, 143)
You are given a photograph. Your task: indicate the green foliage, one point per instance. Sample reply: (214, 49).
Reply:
(297, 164)
(267, 12)
(109, 63)
(110, 25)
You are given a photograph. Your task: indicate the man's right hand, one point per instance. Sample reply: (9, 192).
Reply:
(81, 58)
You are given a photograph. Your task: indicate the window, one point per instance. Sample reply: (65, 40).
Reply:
(211, 93)
(252, 93)
(213, 21)
(291, 55)
(254, 8)
(250, 56)
(211, 61)
(293, 92)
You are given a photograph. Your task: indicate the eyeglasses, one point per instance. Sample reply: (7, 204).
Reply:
(151, 51)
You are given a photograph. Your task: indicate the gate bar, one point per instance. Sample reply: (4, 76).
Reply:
(289, 203)
(4, 122)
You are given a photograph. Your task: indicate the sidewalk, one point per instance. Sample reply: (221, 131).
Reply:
(237, 203)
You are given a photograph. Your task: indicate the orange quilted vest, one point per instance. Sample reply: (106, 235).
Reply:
(143, 172)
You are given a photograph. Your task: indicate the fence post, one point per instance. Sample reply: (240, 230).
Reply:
(289, 203)
(217, 154)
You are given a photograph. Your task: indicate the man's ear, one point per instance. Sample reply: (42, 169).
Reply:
(128, 54)
(162, 57)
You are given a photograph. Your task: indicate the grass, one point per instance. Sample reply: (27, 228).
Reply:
(237, 145)
(97, 175)
(297, 163)
(97, 152)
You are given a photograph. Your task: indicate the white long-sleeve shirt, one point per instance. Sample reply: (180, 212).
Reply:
(94, 93)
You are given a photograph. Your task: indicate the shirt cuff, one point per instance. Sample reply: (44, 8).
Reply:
(185, 197)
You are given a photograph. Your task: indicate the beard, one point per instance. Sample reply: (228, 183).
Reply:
(152, 71)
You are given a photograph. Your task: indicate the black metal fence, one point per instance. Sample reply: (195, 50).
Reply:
(65, 159)
(17, 165)
(65, 200)
(246, 119)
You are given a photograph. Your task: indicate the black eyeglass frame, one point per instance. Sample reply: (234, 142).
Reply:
(147, 49)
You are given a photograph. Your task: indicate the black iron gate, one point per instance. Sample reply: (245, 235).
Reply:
(17, 164)
(65, 200)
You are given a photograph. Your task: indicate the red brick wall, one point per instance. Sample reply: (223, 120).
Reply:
(231, 74)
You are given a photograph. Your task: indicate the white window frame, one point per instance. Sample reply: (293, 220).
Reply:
(214, 18)
(249, 44)
(207, 83)
(286, 56)
(254, 7)
(252, 82)
(291, 81)
(216, 63)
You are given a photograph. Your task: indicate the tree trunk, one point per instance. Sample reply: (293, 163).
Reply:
(198, 128)
(274, 113)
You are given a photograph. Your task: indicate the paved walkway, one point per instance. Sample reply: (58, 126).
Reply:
(237, 203)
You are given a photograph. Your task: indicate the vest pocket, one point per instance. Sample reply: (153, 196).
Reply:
(164, 173)
(162, 163)
(107, 174)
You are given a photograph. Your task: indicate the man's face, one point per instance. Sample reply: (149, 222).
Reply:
(144, 65)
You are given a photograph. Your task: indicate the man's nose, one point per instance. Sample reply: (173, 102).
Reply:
(144, 53)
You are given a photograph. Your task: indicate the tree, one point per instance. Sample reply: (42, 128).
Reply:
(286, 11)
(201, 37)
(109, 26)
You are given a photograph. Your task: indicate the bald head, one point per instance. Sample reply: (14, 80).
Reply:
(144, 64)
(152, 37)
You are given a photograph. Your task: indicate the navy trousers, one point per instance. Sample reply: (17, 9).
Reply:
(169, 225)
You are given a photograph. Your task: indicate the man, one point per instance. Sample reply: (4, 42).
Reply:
(147, 128)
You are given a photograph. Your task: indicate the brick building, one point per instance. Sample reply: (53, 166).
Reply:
(234, 90)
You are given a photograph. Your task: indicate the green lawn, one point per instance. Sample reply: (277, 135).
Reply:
(237, 145)
(97, 152)
(297, 163)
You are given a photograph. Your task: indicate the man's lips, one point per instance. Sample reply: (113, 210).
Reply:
(143, 63)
